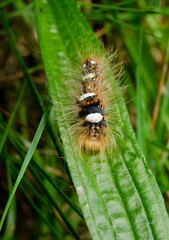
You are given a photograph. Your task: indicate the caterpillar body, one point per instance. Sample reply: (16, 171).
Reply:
(89, 98)
(91, 108)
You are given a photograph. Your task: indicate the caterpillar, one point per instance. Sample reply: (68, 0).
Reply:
(91, 108)
(89, 104)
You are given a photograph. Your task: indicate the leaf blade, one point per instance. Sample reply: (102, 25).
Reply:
(100, 195)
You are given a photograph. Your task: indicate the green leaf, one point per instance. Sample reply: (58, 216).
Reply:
(121, 201)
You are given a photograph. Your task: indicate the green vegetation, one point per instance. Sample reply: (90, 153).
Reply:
(120, 199)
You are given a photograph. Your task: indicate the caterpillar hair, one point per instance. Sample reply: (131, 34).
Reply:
(90, 103)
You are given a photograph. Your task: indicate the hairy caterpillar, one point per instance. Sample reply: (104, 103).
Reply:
(90, 104)
(91, 108)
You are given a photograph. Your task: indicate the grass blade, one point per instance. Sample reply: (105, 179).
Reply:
(37, 209)
(12, 116)
(139, 97)
(27, 76)
(26, 162)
